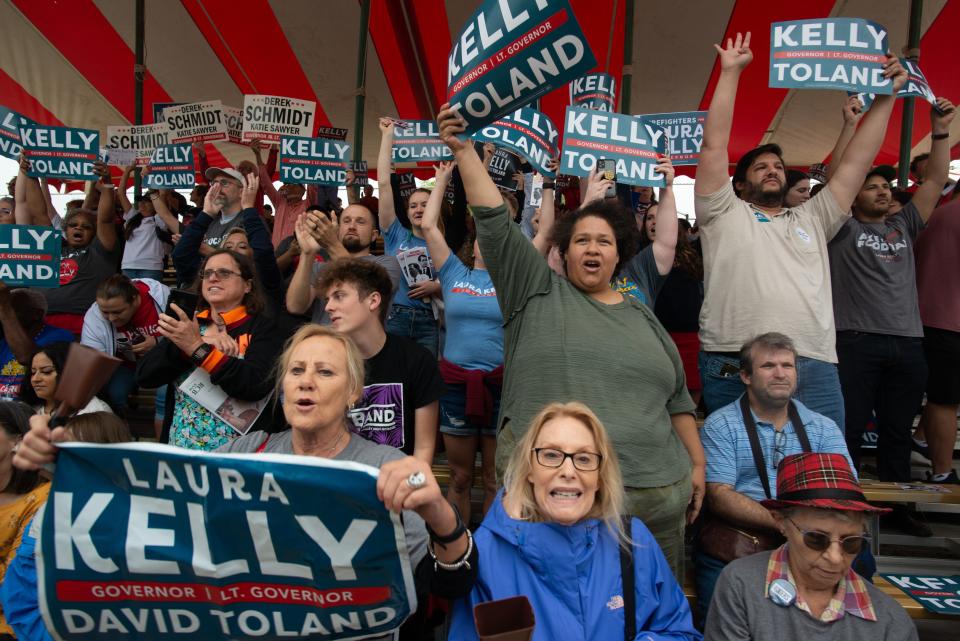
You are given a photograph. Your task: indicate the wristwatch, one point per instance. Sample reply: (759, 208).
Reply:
(940, 136)
(200, 354)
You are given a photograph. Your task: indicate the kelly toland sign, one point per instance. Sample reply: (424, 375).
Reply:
(419, 142)
(318, 161)
(142, 139)
(915, 87)
(684, 132)
(171, 167)
(10, 124)
(158, 108)
(502, 168)
(60, 152)
(234, 119)
(146, 541)
(336, 133)
(511, 52)
(196, 122)
(830, 53)
(361, 173)
(271, 117)
(633, 143)
(526, 132)
(29, 256)
(939, 594)
(594, 91)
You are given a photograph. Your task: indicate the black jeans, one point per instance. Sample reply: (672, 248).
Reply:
(885, 375)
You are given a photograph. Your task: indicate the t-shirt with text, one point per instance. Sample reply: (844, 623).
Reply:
(142, 324)
(473, 319)
(640, 279)
(81, 272)
(219, 228)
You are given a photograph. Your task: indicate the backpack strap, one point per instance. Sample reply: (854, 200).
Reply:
(758, 460)
(629, 587)
(798, 427)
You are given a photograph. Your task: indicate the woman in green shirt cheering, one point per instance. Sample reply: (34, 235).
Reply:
(578, 339)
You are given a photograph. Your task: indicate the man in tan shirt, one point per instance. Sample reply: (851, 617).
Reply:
(766, 266)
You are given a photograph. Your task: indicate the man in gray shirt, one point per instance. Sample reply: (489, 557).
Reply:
(881, 366)
(353, 237)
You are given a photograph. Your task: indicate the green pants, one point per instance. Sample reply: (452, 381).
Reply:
(664, 511)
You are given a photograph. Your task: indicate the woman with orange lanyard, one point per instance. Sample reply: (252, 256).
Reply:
(411, 314)
(230, 339)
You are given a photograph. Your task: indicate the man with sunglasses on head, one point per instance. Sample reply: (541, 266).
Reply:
(744, 442)
(806, 588)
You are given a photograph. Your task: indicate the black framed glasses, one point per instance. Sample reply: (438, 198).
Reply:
(221, 274)
(779, 448)
(583, 461)
(820, 541)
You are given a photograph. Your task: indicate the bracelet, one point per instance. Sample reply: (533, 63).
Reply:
(462, 562)
(453, 536)
(939, 136)
(549, 185)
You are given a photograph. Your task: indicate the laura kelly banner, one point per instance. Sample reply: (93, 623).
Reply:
(510, 52)
(271, 117)
(145, 541)
(29, 256)
(171, 167)
(61, 152)
(685, 133)
(319, 161)
(526, 132)
(830, 53)
(10, 124)
(940, 594)
(196, 122)
(419, 142)
(632, 142)
(594, 91)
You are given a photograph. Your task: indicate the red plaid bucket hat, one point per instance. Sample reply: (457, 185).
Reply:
(819, 480)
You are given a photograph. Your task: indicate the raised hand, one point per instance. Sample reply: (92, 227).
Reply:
(308, 244)
(210, 200)
(665, 167)
(248, 197)
(852, 110)
(941, 116)
(386, 125)
(894, 70)
(451, 124)
(444, 170)
(736, 55)
(596, 186)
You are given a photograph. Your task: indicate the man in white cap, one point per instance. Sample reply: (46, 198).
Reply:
(226, 187)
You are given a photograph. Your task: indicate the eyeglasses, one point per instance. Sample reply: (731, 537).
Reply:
(583, 461)
(225, 183)
(779, 445)
(221, 274)
(820, 541)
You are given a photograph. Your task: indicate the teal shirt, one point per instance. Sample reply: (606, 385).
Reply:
(562, 345)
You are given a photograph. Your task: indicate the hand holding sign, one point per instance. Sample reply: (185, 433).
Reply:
(941, 115)
(736, 55)
(387, 125)
(452, 125)
(666, 169)
(597, 186)
(894, 70)
(37, 446)
(852, 111)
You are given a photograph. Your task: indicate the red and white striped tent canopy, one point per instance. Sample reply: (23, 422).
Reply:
(71, 62)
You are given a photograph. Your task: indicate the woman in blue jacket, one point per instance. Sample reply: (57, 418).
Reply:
(555, 535)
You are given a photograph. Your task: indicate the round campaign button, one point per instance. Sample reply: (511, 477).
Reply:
(783, 593)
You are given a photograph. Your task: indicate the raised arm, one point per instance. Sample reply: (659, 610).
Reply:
(665, 242)
(862, 150)
(106, 220)
(52, 214)
(436, 244)
(480, 189)
(712, 169)
(852, 113)
(29, 207)
(938, 165)
(300, 292)
(160, 206)
(547, 213)
(122, 189)
(21, 343)
(266, 184)
(386, 212)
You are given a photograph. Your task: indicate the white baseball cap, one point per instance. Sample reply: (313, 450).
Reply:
(213, 172)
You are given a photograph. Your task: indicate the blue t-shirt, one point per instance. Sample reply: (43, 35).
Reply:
(414, 259)
(12, 372)
(474, 322)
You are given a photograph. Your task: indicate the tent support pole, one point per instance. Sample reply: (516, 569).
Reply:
(361, 84)
(906, 126)
(627, 75)
(138, 73)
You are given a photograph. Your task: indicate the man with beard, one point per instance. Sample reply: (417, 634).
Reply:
(879, 332)
(738, 477)
(766, 265)
(222, 204)
(353, 237)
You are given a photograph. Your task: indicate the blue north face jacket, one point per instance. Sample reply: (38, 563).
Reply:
(571, 575)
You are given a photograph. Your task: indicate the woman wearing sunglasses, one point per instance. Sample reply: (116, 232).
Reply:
(229, 339)
(806, 589)
(555, 535)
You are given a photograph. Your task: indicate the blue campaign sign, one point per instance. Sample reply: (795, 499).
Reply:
(938, 594)
(594, 91)
(317, 161)
(528, 133)
(158, 108)
(10, 123)
(171, 167)
(915, 87)
(511, 52)
(633, 142)
(141, 541)
(29, 256)
(829, 53)
(418, 141)
(684, 132)
(60, 152)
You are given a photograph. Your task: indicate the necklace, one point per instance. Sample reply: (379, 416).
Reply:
(335, 444)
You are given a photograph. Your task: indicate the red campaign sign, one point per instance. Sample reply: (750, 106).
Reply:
(87, 591)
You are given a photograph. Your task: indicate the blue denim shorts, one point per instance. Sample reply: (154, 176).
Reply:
(453, 413)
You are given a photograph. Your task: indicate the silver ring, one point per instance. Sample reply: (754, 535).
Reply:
(416, 480)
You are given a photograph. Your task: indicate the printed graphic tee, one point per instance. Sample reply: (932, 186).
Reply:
(473, 318)
(81, 271)
(143, 323)
(402, 377)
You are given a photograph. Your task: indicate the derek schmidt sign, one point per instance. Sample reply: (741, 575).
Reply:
(148, 542)
(834, 53)
(510, 52)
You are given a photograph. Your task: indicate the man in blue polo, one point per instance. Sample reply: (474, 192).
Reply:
(738, 477)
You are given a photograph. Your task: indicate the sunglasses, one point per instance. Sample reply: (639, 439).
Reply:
(820, 541)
